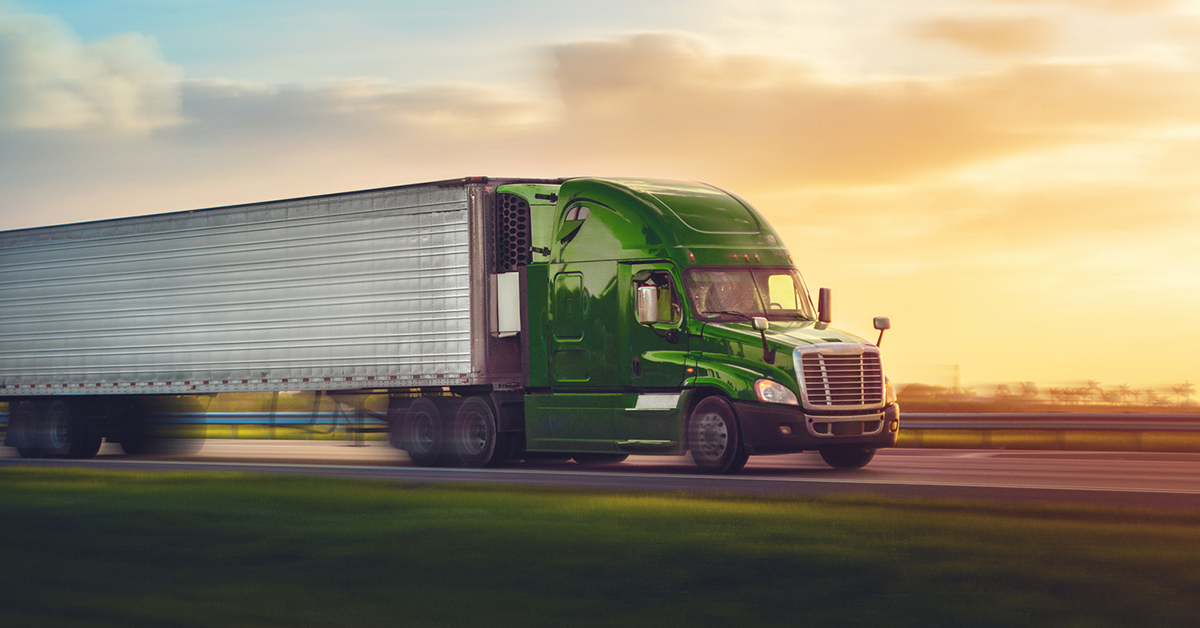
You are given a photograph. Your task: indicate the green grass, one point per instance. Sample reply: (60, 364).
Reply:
(121, 549)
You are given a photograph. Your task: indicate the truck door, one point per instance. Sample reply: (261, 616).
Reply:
(657, 349)
(651, 419)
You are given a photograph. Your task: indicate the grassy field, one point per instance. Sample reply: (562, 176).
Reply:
(124, 549)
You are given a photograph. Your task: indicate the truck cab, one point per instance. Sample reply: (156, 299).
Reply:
(668, 317)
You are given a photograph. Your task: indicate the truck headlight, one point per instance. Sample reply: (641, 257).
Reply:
(889, 392)
(774, 392)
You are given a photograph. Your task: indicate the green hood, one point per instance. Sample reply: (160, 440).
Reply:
(733, 351)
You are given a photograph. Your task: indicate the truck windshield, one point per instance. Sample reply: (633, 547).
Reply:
(729, 294)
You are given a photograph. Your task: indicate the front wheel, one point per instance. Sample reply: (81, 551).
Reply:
(847, 456)
(714, 438)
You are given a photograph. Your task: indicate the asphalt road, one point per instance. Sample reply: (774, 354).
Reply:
(1123, 479)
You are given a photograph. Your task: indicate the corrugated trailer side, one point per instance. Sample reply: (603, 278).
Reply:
(349, 291)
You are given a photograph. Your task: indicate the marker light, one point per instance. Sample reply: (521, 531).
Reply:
(774, 392)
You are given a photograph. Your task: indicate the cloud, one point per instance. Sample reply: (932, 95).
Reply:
(665, 104)
(995, 36)
(50, 80)
(669, 97)
(356, 116)
(1105, 6)
(244, 142)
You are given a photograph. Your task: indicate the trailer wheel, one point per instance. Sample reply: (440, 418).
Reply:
(475, 434)
(22, 427)
(714, 438)
(599, 458)
(144, 428)
(423, 437)
(69, 433)
(847, 456)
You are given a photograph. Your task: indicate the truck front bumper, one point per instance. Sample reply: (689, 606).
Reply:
(779, 429)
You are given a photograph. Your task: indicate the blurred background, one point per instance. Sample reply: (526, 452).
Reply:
(1011, 181)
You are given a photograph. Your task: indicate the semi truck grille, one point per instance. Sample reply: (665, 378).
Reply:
(841, 379)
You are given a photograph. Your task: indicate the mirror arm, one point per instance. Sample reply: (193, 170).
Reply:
(882, 323)
(761, 324)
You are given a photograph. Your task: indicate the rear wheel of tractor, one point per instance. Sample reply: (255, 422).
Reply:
(847, 456)
(475, 435)
(714, 438)
(423, 433)
(509, 448)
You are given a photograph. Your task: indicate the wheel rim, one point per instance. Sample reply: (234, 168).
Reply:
(474, 434)
(58, 430)
(421, 432)
(712, 435)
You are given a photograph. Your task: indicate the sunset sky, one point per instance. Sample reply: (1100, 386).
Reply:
(1016, 183)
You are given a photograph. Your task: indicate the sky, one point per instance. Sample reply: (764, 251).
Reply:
(1013, 182)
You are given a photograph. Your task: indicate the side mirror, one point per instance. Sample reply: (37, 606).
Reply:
(761, 325)
(825, 306)
(647, 305)
(882, 323)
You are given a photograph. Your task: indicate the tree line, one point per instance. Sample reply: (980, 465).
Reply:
(1090, 392)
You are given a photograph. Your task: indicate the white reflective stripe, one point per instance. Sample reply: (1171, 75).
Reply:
(657, 401)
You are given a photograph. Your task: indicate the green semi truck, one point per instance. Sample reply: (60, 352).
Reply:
(584, 318)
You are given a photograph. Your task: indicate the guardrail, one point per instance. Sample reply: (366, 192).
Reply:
(1053, 430)
(347, 423)
(1057, 429)
(1066, 421)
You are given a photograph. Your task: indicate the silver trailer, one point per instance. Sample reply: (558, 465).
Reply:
(381, 289)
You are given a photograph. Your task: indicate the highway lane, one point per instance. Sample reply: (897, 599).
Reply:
(1125, 479)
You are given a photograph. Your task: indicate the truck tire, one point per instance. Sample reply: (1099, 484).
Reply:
(54, 429)
(23, 429)
(475, 434)
(600, 458)
(714, 438)
(847, 456)
(132, 430)
(156, 426)
(70, 432)
(423, 433)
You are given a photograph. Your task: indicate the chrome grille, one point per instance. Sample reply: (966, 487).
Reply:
(842, 379)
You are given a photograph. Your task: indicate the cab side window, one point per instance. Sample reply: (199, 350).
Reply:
(667, 306)
(572, 220)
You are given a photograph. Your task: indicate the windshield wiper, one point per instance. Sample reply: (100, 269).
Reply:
(732, 313)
